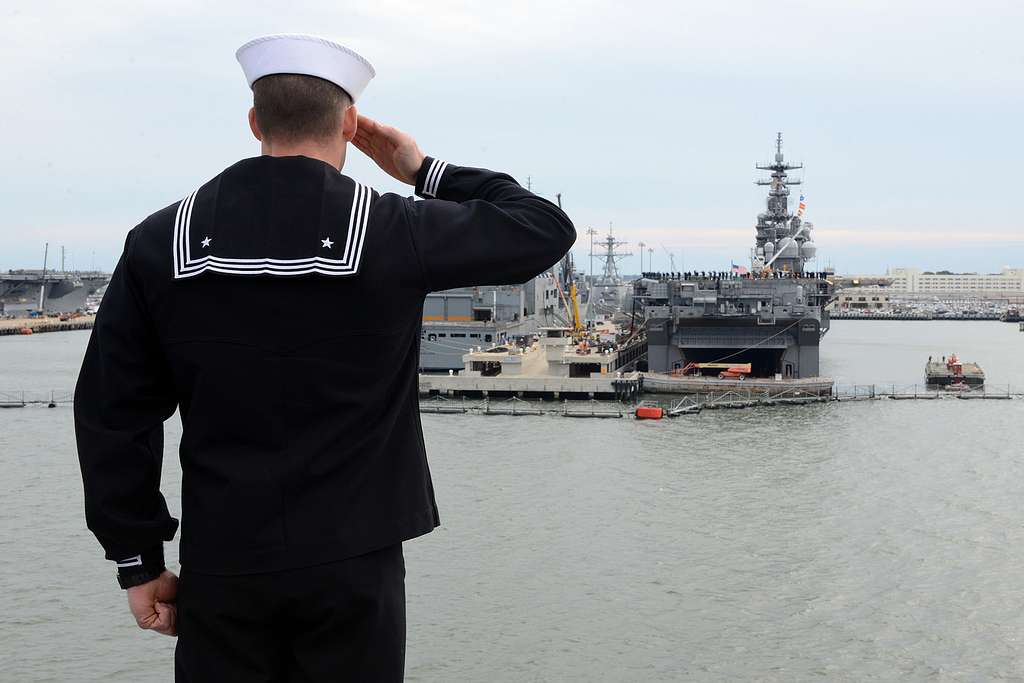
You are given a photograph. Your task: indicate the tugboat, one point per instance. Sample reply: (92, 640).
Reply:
(952, 373)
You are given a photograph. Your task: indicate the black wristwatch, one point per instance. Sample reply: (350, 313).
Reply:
(126, 581)
(141, 568)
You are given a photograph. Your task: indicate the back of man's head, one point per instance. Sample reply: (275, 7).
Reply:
(292, 108)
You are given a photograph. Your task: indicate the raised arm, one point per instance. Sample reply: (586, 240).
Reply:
(476, 227)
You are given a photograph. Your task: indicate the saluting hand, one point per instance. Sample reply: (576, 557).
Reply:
(394, 151)
(152, 604)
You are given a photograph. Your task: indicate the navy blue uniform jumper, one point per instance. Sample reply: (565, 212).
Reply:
(278, 309)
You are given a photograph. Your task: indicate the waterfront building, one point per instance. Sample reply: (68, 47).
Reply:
(913, 280)
(869, 297)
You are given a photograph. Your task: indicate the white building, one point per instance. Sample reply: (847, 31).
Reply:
(862, 298)
(1008, 281)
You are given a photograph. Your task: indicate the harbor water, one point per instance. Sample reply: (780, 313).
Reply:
(875, 540)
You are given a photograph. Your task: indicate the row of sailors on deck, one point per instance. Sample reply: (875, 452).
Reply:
(733, 275)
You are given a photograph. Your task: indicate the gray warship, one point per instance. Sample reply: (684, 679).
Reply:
(24, 291)
(455, 321)
(772, 316)
(608, 294)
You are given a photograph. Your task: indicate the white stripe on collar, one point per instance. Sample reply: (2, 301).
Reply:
(185, 266)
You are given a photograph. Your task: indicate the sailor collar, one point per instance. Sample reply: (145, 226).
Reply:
(273, 216)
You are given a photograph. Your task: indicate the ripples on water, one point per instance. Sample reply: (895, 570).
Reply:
(863, 541)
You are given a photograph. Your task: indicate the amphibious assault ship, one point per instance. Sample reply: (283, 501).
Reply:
(772, 316)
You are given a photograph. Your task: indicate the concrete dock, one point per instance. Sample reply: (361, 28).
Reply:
(43, 324)
(604, 386)
(659, 383)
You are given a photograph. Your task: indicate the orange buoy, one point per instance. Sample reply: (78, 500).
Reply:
(25, 330)
(649, 413)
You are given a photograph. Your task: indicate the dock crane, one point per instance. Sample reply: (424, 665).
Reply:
(577, 324)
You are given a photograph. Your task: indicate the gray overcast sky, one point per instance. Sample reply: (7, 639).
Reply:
(648, 115)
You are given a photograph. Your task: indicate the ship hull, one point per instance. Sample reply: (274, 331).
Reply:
(20, 293)
(789, 348)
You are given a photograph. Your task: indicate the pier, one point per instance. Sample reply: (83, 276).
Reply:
(666, 383)
(515, 406)
(617, 398)
(621, 388)
(45, 324)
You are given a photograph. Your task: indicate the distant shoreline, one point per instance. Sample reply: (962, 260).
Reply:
(903, 316)
(40, 325)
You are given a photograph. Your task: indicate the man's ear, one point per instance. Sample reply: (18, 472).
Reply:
(253, 126)
(350, 123)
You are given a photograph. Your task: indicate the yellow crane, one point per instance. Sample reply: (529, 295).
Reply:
(577, 324)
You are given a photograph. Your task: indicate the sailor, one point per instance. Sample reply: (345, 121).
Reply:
(277, 308)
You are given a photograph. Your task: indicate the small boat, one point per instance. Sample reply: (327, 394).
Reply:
(953, 373)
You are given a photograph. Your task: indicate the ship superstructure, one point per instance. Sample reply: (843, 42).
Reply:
(772, 316)
(608, 293)
(783, 241)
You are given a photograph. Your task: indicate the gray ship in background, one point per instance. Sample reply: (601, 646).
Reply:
(456, 321)
(608, 295)
(23, 292)
(772, 316)
(31, 292)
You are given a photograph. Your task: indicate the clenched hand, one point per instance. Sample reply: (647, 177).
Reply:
(394, 151)
(152, 604)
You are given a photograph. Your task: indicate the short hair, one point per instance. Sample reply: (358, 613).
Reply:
(295, 107)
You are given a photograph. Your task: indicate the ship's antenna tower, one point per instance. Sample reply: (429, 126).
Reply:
(671, 259)
(42, 285)
(591, 232)
(611, 257)
(783, 239)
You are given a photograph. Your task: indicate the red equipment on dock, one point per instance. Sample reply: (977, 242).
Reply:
(728, 370)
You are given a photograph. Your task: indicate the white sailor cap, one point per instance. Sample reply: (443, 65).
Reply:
(300, 53)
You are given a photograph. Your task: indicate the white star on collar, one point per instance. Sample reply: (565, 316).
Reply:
(327, 243)
(206, 242)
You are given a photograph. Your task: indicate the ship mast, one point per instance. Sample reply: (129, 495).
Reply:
(611, 256)
(783, 240)
(42, 285)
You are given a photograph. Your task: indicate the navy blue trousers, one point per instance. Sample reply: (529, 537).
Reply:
(343, 621)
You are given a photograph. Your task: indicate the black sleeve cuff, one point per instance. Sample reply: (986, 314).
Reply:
(141, 568)
(430, 177)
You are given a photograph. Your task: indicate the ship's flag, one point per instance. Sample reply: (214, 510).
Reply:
(739, 270)
(803, 205)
